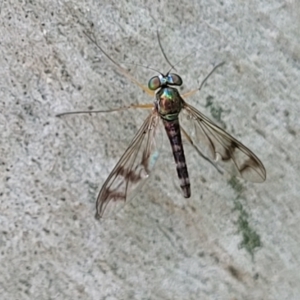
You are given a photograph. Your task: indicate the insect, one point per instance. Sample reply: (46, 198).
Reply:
(138, 160)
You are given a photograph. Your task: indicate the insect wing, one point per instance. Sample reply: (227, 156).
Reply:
(230, 153)
(133, 167)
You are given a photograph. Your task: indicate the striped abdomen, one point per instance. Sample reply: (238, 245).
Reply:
(173, 132)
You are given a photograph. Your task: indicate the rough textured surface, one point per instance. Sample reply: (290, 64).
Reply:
(230, 240)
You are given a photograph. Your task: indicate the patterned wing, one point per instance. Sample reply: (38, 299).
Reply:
(230, 153)
(132, 168)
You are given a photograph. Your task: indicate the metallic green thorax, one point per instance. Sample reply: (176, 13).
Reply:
(169, 103)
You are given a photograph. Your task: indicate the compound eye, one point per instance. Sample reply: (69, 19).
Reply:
(174, 79)
(154, 83)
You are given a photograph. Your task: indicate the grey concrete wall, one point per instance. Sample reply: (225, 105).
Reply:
(230, 240)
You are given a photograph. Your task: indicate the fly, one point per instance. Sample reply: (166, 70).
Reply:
(138, 160)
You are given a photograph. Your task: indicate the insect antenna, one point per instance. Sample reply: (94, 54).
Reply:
(142, 66)
(166, 58)
(163, 52)
(177, 63)
(93, 40)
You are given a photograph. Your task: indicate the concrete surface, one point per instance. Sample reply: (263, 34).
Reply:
(231, 239)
